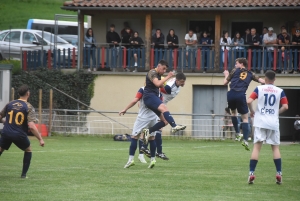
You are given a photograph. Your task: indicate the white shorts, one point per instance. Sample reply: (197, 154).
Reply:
(139, 125)
(266, 135)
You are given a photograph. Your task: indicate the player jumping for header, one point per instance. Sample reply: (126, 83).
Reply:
(19, 117)
(154, 103)
(266, 122)
(169, 92)
(240, 79)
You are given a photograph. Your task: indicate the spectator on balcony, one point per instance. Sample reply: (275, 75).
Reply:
(90, 48)
(238, 42)
(126, 26)
(136, 43)
(113, 37)
(191, 43)
(254, 46)
(270, 40)
(125, 37)
(265, 31)
(295, 28)
(296, 47)
(247, 37)
(172, 39)
(205, 42)
(210, 33)
(224, 42)
(158, 41)
(283, 41)
(198, 33)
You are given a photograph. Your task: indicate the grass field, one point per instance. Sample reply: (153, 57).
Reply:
(91, 168)
(16, 13)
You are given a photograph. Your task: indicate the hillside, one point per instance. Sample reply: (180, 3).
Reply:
(15, 13)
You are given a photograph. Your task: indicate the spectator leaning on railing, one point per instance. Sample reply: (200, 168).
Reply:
(238, 42)
(254, 45)
(113, 37)
(205, 42)
(296, 46)
(191, 42)
(158, 39)
(172, 39)
(265, 30)
(284, 39)
(270, 39)
(89, 43)
(136, 43)
(224, 42)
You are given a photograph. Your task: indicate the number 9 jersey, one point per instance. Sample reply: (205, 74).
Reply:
(18, 113)
(269, 98)
(240, 79)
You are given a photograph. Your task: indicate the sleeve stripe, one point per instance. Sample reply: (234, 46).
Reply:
(139, 95)
(253, 95)
(283, 100)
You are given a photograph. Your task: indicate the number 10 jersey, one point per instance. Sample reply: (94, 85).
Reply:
(269, 98)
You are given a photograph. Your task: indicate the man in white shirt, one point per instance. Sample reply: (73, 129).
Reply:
(266, 122)
(191, 42)
(270, 39)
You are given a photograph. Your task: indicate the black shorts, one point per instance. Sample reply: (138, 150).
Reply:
(20, 141)
(237, 100)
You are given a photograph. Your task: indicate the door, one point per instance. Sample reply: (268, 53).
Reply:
(208, 100)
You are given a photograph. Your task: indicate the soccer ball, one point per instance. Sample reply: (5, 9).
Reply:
(297, 124)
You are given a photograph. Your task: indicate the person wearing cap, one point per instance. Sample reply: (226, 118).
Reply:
(296, 46)
(270, 39)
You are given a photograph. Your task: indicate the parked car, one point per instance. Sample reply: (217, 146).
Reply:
(13, 41)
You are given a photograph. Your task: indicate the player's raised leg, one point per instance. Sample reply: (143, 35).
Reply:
(235, 123)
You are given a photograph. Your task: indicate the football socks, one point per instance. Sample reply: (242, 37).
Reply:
(245, 128)
(132, 147)
(253, 164)
(156, 127)
(278, 164)
(152, 148)
(169, 118)
(158, 141)
(26, 162)
(140, 145)
(235, 123)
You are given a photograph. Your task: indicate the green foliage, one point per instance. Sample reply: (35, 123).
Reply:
(16, 65)
(91, 169)
(75, 85)
(16, 13)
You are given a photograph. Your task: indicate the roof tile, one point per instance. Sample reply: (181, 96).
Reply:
(182, 3)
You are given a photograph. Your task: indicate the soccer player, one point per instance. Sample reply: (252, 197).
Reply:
(153, 102)
(20, 116)
(240, 79)
(266, 122)
(169, 92)
(144, 119)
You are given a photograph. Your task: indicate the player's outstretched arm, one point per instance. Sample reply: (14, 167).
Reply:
(130, 105)
(160, 83)
(36, 133)
(283, 108)
(249, 102)
(226, 74)
(262, 81)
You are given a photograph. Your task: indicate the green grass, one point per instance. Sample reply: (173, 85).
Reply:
(91, 168)
(16, 13)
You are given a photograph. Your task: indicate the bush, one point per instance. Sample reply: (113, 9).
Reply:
(16, 65)
(79, 85)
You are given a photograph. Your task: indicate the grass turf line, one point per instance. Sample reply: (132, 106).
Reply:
(91, 168)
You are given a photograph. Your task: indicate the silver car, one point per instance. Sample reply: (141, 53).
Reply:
(13, 41)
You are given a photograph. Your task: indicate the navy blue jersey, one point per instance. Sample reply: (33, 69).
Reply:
(18, 113)
(150, 88)
(240, 79)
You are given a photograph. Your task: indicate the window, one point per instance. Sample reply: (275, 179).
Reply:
(41, 41)
(2, 35)
(13, 37)
(28, 38)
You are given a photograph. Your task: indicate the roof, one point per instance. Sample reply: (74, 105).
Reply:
(183, 5)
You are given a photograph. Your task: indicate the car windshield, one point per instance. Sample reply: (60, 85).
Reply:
(50, 37)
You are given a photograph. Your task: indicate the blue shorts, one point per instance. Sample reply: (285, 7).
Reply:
(21, 141)
(237, 100)
(153, 102)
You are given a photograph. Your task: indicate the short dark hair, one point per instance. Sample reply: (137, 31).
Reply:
(180, 76)
(163, 63)
(243, 61)
(270, 75)
(22, 90)
(112, 25)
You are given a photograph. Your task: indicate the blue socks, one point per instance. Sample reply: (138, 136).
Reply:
(246, 130)
(156, 127)
(26, 162)
(278, 164)
(235, 123)
(169, 118)
(132, 147)
(158, 142)
(141, 143)
(253, 165)
(152, 148)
